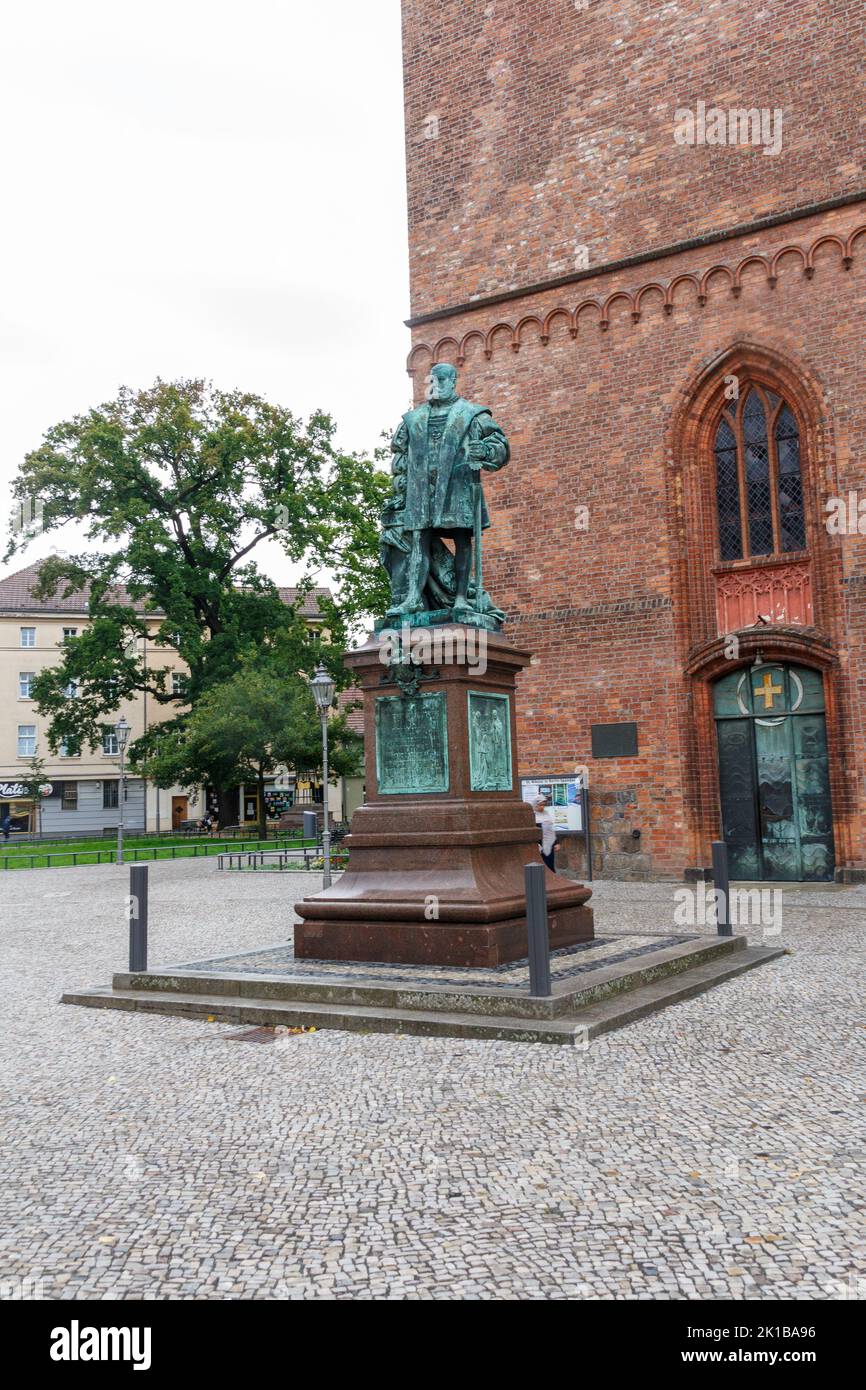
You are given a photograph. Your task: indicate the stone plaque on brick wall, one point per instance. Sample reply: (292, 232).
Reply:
(614, 740)
(489, 742)
(411, 743)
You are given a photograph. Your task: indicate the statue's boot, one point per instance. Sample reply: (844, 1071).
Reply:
(402, 610)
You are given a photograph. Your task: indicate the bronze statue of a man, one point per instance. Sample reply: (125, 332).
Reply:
(439, 452)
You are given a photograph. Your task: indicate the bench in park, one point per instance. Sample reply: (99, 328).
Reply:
(259, 858)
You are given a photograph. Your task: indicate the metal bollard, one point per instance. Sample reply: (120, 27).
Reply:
(536, 921)
(722, 883)
(137, 903)
(584, 798)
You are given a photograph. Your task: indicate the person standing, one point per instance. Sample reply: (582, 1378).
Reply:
(544, 819)
(6, 826)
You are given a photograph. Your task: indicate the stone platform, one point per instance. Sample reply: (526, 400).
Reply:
(597, 986)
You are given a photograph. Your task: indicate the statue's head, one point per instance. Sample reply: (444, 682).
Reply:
(442, 382)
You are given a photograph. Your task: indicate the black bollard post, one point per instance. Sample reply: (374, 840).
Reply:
(584, 797)
(536, 921)
(722, 883)
(137, 903)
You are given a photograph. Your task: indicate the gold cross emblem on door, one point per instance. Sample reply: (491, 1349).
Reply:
(768, 690)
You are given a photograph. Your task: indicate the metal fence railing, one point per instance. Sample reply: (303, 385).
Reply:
(228, 832)
(191, 846)
(270, 858)
(188, 849)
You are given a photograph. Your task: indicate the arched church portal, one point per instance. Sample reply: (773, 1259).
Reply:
(774, 782)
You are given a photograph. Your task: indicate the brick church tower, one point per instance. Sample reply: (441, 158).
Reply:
(640, 233)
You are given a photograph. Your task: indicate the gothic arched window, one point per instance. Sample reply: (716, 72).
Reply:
(759, 490)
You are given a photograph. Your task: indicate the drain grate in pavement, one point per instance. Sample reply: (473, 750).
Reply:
(265, 1035)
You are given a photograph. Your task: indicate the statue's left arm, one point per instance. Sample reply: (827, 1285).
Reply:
(489, 446)
(400, 448)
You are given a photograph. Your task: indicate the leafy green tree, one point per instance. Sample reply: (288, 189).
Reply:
(249, 726)
(358, 494)
(34, 782)
(176, 486)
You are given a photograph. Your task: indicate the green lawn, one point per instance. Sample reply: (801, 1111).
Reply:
(58, 853)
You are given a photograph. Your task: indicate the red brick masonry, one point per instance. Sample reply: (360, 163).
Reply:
(555, 129)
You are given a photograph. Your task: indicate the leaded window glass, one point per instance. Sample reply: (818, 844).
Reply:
(728, 494)
(757, 466)
(759, 487)
(790, 483)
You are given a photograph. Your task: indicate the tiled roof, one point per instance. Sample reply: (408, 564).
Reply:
(16, 596)
(355, 717)
(309, 607)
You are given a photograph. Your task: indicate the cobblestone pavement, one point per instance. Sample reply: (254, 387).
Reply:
(714, 1150)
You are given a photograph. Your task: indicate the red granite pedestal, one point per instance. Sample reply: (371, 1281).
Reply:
(437, 878)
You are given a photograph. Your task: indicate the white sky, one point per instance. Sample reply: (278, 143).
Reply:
(201, 189)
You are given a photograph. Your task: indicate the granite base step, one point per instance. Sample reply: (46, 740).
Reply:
(586, 1018)
(243, 977)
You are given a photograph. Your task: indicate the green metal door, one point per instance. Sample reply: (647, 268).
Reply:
(777, 818)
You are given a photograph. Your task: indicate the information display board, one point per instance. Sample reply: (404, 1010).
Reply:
(278, 800)
(565, 795)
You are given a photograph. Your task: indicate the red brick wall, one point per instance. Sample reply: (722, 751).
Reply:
(555, 128)
(614, 614)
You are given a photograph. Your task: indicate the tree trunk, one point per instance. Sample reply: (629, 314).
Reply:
(224, 811)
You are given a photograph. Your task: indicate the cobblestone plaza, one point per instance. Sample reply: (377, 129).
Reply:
(714, 1150)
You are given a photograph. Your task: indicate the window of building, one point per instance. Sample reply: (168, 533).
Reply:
(25, 683)
(110, 798)
(28, 636)
(70, 748)
(27, 740)
(179, 683)
(109, 742)
(70, 796)
(69, 633)
(759, 488)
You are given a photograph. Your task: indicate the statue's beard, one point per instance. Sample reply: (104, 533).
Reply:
(442, 398)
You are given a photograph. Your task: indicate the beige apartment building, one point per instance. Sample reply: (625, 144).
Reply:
(85, 791)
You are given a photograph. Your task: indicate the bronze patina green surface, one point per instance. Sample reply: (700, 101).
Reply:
(439, 453)
(489, 742)
(411, 743)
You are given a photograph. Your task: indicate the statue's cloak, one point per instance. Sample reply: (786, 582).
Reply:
(450, 503)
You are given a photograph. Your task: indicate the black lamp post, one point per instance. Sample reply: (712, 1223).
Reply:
(323, 693)
(122, 730)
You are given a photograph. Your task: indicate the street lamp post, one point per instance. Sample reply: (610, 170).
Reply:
(122, 731)
(323, 693)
